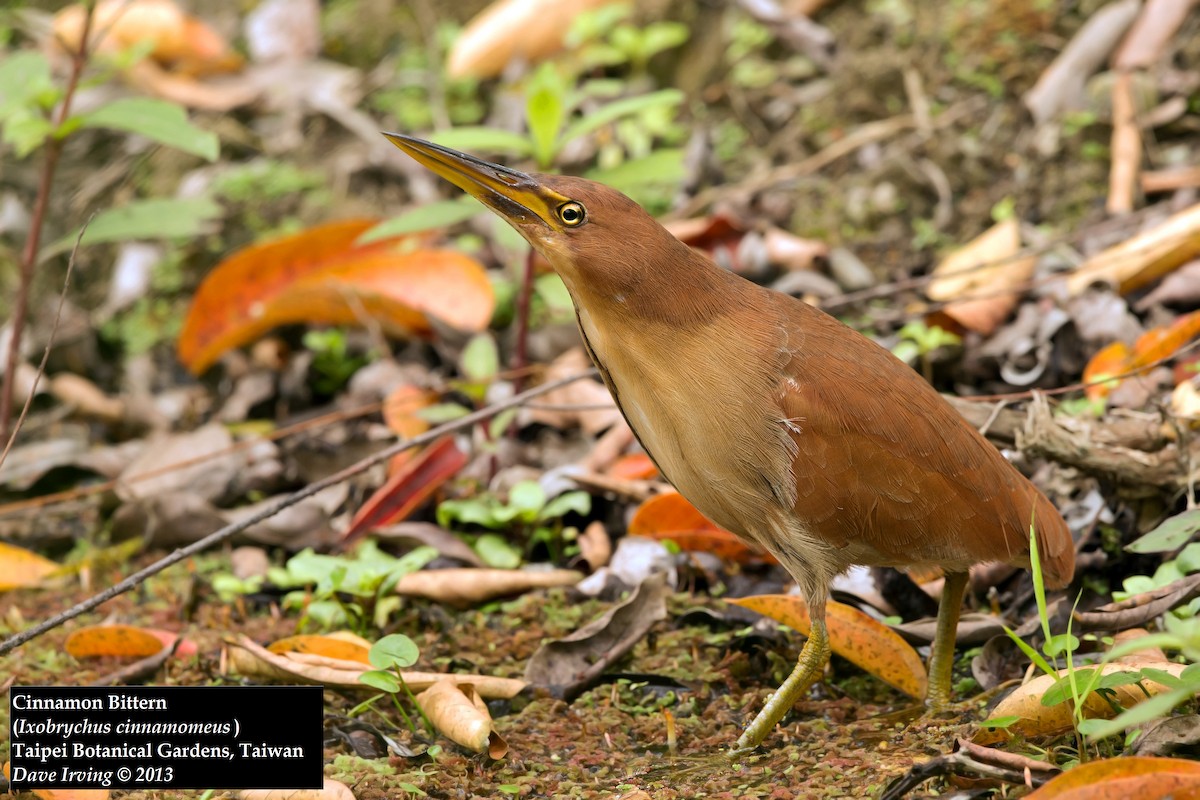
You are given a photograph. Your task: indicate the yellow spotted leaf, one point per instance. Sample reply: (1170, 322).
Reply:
(125, 641)
(330, 646)
(854, 636)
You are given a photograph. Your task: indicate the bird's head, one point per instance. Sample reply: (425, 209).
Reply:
(586, 230)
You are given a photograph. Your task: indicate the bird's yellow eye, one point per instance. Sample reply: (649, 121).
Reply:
(571, 214)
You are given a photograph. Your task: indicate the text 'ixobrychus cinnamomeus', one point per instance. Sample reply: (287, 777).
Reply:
(775, 420)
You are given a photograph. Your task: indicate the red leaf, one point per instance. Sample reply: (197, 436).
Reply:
(408, 488)
(671, 516)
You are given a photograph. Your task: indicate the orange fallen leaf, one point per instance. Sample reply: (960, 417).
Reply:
(671, 516)
(126, 641)
(1129, 778)
(1112, 359)
(854, 636)
(633, 467)
(401, 407)
(322, 276)
(322, 645)
(1151, 347)
(20, 567)
(409, 487)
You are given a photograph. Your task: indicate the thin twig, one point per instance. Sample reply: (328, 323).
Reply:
(53, 146)
(292, 499)
(41, 370)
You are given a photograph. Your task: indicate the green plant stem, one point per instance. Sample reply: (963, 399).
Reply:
(424, 717)
(29, 255)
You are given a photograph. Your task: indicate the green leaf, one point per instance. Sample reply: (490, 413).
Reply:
(662, 167)
(491, 140)
(662, 36)
(1000, 723)
(544, 110)
(565, 503)
(144, 219)
(1172, 534)
(613, 111)
(1158, 706)
(158, 120)
(500, 423)
(471, 511)
(393, 651)
(441, 413)
(380, 679)
(480, 359)
(442, 214)
(553, 292)
(527, 498)
(26, 131)
(1188, 559)
(496, 552)
(25, 83)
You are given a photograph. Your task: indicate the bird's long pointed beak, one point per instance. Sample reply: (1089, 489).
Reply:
(520, 198)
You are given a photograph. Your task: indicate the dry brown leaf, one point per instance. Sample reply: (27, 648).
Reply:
(1126, 147)
(587, 394)
(462, 716)
(466, 587)
(511, 29)
(332, 790)
(988, 273)
(1035, 719)
(1061, 87)
(1147, 38)
(854, 636)
(245, 657)
(1145, 258)
(595, 545)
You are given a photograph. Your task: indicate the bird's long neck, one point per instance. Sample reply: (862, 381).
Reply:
(679, 288)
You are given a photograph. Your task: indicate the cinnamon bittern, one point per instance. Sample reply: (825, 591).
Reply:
(775, 420)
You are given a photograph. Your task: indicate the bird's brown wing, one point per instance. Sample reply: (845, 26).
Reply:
(888, 472)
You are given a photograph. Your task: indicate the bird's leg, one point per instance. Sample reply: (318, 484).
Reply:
(808, 668)
(941, 652)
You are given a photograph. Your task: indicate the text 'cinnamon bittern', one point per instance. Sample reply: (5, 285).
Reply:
(775, 420)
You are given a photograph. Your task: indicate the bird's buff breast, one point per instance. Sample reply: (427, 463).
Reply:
(661, 379)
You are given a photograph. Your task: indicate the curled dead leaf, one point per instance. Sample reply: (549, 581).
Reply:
(461, 715)
(854, 636)
(466, 587)
(511, 29)
(1035, 719)
(981, 280)
(243, 656)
